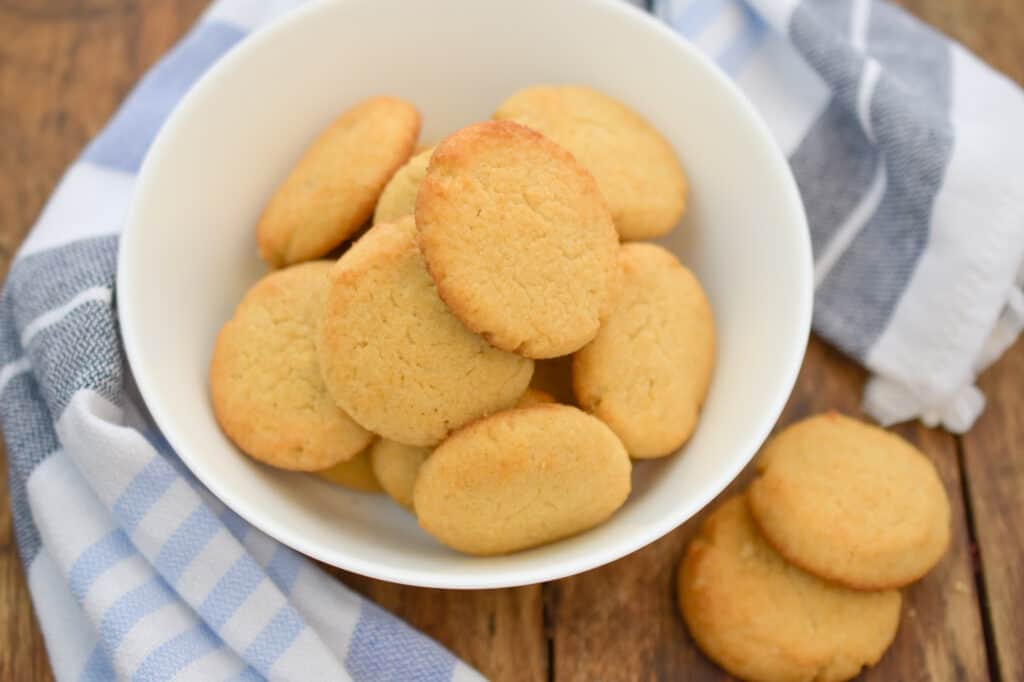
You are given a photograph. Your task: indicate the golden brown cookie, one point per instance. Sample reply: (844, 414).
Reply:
(518, 239)
(396, 465)
(635, 167)
(265, 382)
(554, 376)
(394, 356)
(521, 478)
(851, 503)
(764, 619)
(399, 196)
(332, 190)
(647, 371)
(355, 473)
(534, 396)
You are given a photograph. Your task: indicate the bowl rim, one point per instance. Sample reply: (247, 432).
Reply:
(490, 579)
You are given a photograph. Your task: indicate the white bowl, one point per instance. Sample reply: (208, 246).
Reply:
(188, 251)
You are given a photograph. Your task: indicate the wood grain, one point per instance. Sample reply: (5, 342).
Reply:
(64, 67)
(993, 454)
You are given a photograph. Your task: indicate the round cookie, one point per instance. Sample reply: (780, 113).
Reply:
(534, 396)
(396, 465)
(761, 618)
(265, 382)
(851, 502)
(399, 196)
(518, 239)
(647, 372)
(521, 478)
(392, 354)
(635, 167)
(355, 473)
(332, 190)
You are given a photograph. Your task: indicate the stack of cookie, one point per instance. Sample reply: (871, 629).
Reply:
(487, 352)
(797, 579)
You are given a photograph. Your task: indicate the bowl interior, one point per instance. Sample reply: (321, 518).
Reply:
(188, 253)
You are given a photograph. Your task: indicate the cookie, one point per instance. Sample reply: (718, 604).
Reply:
(761, 618)
(554, 377)
(518, 239)
(647, 371)
(396, 465)
(356, 473)
(332, 190)
(851, 503)
(521, 478)
(635, 167)
(534, 396)
(399, 196)
(265, 382)
(392, 354)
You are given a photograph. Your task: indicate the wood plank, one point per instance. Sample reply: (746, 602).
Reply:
(993, 457)
(499, 632)
(64, 68)
(991, 29)
(940, 636)
(22, 653)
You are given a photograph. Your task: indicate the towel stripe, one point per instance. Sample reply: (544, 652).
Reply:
(97, 559)
(233, 588)
(185, 543)
(132, 607)
(176, 653)
(274, 639)
(91, 295)
(143, 492)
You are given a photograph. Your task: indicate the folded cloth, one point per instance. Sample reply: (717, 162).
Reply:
(897, 138)
(908, 153)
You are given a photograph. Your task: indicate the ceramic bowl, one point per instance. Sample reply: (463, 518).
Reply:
(188, 252)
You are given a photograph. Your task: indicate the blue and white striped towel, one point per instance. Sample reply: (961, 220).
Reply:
(907, 155)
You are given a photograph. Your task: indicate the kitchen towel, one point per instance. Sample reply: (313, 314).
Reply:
(908, 153)
(903, 148)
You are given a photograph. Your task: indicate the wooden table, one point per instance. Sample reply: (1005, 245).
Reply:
(64, 67)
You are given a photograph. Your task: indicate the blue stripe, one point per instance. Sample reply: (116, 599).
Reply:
(125, 140)
(148, 486)
(274, 639)
(160, 444)
(248, 675)
(283, 568)
(130, 608)
(231, 591)
(384, 649)
(177, 653)
(736, 55)
(697, 16)
(234, 523)
(97, 668)
(185, 543)
(96, 560)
